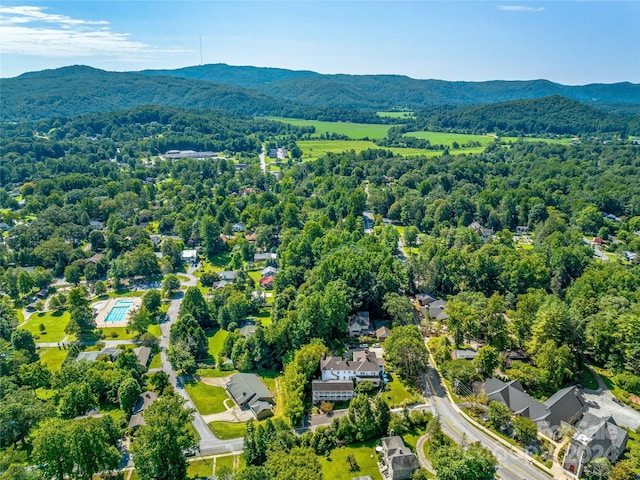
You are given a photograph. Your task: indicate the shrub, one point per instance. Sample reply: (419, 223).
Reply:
(628, 382)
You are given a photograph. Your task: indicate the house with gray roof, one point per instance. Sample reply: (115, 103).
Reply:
(143, 354)
(332, 391)
(144, 400)
(595, 438)
(248, 391)
(364, 366)
(359, 325)
(467, 354)
(261, 257)
(565, 406)
(111, 352)
(398, 461)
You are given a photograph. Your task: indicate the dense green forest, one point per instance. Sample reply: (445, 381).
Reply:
(98, 184)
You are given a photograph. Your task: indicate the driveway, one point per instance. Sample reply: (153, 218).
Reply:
(601, 403)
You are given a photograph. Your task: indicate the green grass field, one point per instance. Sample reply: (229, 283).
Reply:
(53, 357)
(446, 138)
(398, 393)
(314, 149)
(336, 466)
(207, 399)
(117, 333)
(351, 130)
(228, 430)
(229, 461)
(54, 325)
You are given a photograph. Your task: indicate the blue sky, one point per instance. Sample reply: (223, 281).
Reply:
(574, 42)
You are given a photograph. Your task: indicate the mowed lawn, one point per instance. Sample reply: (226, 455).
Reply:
(207, 399)
(228, 430)
(351, 130)
(336, 466)
(54, 324)
(398, 394)
(53, 357)
(446, 138)
(215, 339)
(200, 468)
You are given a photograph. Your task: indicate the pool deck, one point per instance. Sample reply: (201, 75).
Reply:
(107, 305)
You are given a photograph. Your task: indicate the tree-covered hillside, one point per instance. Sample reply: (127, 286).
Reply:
(74, 90)
(555, 115)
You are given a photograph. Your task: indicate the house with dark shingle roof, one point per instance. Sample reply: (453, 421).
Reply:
(383, 333)
(398, 461)
(144, 400)
(143, 354)
(565, 406)
(359, 325)
(595, 438)
(248, 391)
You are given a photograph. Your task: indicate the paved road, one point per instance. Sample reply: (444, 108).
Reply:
(209, 443)
(511, 466)
(263, 163)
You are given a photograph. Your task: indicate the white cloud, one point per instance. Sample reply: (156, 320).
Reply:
(520, 8)
(27, 30)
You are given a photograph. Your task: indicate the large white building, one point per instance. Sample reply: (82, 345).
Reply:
(364, 366)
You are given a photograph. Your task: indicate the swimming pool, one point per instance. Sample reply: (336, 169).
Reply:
(119, 311)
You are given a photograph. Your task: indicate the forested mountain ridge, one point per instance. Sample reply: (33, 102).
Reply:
(554, 114)
(76, 90)
(378, 91)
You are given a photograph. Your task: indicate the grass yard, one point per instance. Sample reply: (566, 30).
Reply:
(117, 333)
(447, 139)
(53, 357)
(207, 399)
(200, 468)
(154, 330)
(351, 130)
(397, 394)
(156, 361)
(214, 372)
(587, 379)
(227, 460)
(54, 324)
(268, 377)
(336, 466)
(215, 339)
(264, 314)
(228, 430)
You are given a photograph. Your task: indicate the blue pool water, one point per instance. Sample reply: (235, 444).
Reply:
(119, 311)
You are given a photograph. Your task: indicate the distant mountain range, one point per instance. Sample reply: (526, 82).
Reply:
(271, 91)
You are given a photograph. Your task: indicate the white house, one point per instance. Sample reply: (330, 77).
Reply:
(364, 366)
(237, 227)
(189, 256)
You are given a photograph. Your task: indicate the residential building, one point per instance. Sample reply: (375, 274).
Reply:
(436, 311)
(189, 256)
(143, 354)
(228, 275)
(398, 461)
(237, 227)
(484, 232)
(145, 399)
(359, 325)
(382, 333)
(522, 230)
(364, 366)
(248, 391)
(565, 406)
(261, 257)
(111, 352)
(467, 354)
(267, 282)
(332, 390)
(270, 270)
(595, 438)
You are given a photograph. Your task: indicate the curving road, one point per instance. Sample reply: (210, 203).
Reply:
(209, 443)
(511, 465)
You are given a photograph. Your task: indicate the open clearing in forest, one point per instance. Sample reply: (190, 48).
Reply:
(447, 139)
(351, 130)
(314, 149)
